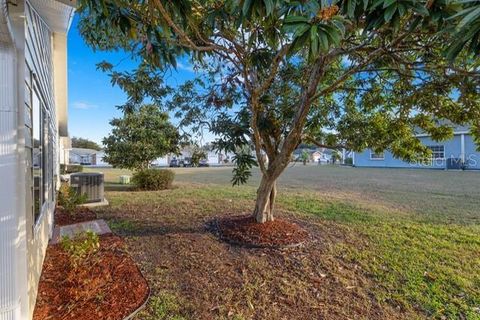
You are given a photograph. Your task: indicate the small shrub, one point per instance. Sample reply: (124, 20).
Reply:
(349, 161)
(153, 179)
(81, 247)
(70, 168)
(69, 199)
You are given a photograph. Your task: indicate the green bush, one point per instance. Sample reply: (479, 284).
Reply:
(69, 199)
(349, 161)
(70, 168)
(153, 179)
(81, 247)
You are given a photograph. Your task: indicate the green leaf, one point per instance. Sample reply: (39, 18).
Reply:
(246, 7)
(388, 3)
(340, 26)
(314, 45)
(388, 14)
(461, 13)
(376, 4)
(365, 4)
(323, 40)
(471, 17)
(351, 8)
(333, 34)
(421, 10)
(269, 6)
(401, 9)
(295, 19)
(299, 31)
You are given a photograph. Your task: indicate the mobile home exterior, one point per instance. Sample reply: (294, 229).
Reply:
(458, 152)
(33, 133)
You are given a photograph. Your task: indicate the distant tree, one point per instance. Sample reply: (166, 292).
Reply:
(78, 142)
(198, 154)
(336, 156)
(304, 157)
(140, 137)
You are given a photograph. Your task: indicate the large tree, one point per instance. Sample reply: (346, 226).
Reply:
(276, 73)
(140, 137)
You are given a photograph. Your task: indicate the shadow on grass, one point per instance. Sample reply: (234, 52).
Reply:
(128, 228)
(118, 187)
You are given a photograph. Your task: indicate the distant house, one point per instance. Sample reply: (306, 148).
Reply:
(83, 156)
(317, 155)
(99, 161)
(456, 153)
(217, 158)
(213, 158)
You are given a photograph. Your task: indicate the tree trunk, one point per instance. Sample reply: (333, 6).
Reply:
(266, 195)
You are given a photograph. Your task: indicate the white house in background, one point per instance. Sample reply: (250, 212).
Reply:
(162, 162)
(316, 155)
(99, 159)
(33, 135)
(83, 156)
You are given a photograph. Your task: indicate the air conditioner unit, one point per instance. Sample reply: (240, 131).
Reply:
(91, 184)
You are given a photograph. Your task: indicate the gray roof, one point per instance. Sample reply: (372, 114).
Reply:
(456, 127)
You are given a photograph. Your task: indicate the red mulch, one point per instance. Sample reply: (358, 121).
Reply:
(244, 230)
(81, 214)
(109, 286)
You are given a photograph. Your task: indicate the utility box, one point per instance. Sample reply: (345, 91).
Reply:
(124, 179)
(91, 184)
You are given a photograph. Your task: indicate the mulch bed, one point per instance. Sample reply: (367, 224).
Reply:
(108, 286)
(244, 230)
(81, 214)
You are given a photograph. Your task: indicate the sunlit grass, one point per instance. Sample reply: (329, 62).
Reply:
(420, 243)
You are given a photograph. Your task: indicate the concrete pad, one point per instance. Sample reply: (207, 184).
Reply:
(98, 226)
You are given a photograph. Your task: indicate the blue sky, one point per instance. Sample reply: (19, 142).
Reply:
(91, 97)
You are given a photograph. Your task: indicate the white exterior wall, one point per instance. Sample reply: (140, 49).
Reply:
(13, 258)
(162, 162)
(10, 291)
(23, 241)
(100, 162)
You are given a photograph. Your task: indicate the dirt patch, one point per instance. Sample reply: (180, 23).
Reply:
(110, 286)
(244, 230)
(81, 214)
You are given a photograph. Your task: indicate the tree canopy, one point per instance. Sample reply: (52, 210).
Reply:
(139, 138)
(277, 73)
(78, 142)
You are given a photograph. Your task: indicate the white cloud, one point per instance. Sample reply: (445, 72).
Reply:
(82, 105)
(184, 67)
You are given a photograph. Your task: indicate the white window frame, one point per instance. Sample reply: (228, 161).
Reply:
(372, 153)
(434, 152)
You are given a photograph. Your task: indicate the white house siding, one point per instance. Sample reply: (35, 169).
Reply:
(162, 162)
(98, 159)
(25, 66)
(39, 60)
(10, 292)
(13, 273)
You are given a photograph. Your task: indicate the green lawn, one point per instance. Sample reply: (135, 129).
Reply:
(389, 244)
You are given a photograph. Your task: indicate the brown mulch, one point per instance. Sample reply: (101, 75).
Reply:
(107, 286)
(212, 279)
(244, 230)
(81, 214)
